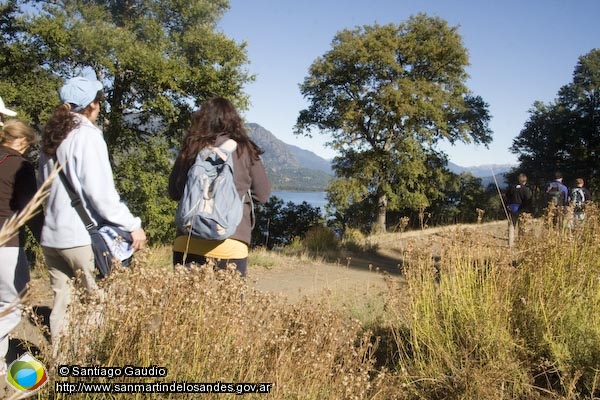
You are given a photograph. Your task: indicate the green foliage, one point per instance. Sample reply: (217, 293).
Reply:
(157, 59)
(557, 297)
(148, 63)
(564, 135)
(278, 224)
(355, 241)
(145, 190)
(319, 239)
(469, 197)
(25, 85)
(487, 323)
(386, 95)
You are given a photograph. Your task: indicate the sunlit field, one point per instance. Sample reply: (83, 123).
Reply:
(473, 321)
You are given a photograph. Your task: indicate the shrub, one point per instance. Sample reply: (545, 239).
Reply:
(319, 239)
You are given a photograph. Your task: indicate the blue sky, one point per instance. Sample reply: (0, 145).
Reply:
(521, 51)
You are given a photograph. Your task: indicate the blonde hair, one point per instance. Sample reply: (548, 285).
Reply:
(15, 129)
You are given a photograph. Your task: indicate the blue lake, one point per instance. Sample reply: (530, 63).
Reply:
(315, 199)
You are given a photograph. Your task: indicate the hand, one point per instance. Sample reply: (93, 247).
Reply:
(139, 239)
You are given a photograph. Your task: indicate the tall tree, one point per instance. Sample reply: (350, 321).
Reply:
(565, 134)
(157, 59)
(25, 85)
(387, 95)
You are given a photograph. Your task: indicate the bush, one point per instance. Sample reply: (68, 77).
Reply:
(320, 239)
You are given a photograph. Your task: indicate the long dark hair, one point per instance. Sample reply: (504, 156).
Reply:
(215, 116)
(61, 123)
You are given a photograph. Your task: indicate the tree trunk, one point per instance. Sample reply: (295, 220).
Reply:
(379, 226)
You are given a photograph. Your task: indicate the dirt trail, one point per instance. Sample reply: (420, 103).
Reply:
(355, 273)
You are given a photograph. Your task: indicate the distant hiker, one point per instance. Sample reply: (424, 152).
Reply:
(557, 193)
(518, 201)
(214, 125)
(578, 197)
(557, 197)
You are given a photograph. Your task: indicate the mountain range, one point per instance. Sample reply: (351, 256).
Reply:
(287, 165)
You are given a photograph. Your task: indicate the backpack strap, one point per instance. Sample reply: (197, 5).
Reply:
(76, 202)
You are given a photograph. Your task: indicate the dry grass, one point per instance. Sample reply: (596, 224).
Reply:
(470, 319)
(207, 326)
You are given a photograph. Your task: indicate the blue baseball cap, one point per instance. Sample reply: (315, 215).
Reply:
(80, 91)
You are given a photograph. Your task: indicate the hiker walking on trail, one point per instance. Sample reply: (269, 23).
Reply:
(578, 197)
(518, 198)
(557, 193)
(557, 196)
(72, 139)
(217, 126)
(518, 201)
(17, 187)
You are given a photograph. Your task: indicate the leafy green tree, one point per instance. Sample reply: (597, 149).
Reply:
(278, 223)
(386, 95)
(25, 85)
(146, 193)
(469, 197)
(157, 59)
(565, 134)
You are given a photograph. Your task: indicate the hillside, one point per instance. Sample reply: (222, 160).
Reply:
(287, 165)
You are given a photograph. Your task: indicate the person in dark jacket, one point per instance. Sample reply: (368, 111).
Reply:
(518, 201)
(557, 198)
(518, 198)
(215, 122)
(17, 187)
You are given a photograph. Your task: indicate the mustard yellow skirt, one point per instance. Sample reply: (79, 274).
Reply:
(228, 249)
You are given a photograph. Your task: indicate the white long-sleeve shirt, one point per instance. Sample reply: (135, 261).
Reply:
(84, 157)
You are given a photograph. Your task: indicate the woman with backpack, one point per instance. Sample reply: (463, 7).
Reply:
(72, 139)
(213, 125)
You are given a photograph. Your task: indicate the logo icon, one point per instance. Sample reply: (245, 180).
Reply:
(26, 374)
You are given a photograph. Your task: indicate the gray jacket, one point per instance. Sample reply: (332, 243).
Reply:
(84, 157)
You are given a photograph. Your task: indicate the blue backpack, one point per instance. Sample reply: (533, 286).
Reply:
(211, 207)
